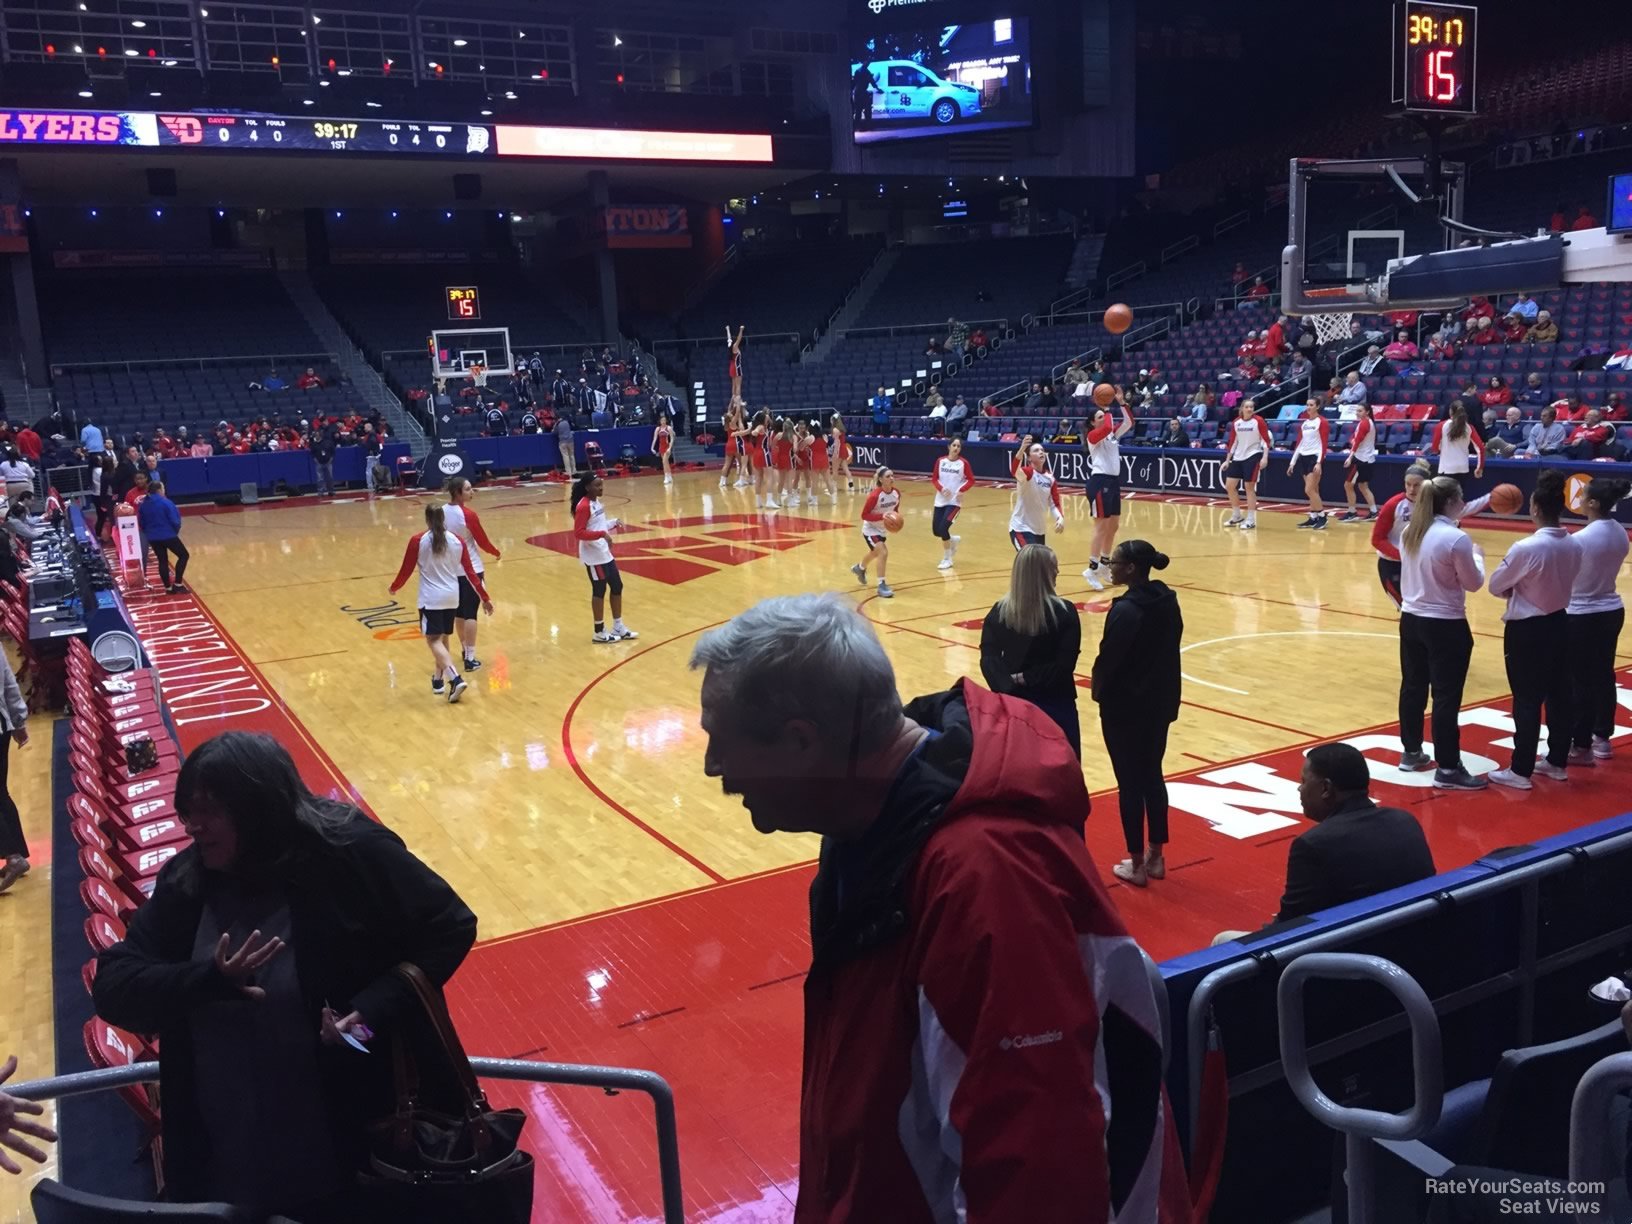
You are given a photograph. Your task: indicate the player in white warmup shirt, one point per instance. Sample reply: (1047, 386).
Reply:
(953, 477)
(462, 521)
(1246, 450)
(1309, 459)
(442, 560)
(593, 530)
(1457, 444)
(1037, 495)
(1103, 443)
(1357, 470)
(884, 499)
(1594, 619)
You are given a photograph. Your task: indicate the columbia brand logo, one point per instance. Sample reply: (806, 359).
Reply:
(1033, 1039)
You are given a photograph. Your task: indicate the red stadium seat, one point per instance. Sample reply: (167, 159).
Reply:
(87, 972)
(99, 898)
(102, 932)
(107, 1046)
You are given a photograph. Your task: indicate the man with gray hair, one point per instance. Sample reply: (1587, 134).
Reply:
(974, 1003)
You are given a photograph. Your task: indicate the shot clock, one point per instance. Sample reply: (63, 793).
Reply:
(463, 304)
(1436, 54)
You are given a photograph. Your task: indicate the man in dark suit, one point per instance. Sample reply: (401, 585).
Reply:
(1356, 848)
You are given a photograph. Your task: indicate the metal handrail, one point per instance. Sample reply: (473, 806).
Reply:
(1232, 222)
(611, 1080)
(1174, 249)
(1201, 1000)
(267, 359)
(904, 328)
(1360, 1126)
(1132, 272)
(1591, 1157)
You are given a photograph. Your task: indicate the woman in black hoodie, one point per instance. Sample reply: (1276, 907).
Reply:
(1136, 683)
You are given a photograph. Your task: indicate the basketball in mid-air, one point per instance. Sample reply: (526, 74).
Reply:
(1506, 499)
(1118, 318)
(892, 521)
(1104, 394)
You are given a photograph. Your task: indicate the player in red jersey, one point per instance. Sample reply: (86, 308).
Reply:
(884, 499)
(820, 462)
(782, 463)
(662, 444)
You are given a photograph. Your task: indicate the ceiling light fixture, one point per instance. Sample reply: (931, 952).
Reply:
(459, 42)
(140, 25)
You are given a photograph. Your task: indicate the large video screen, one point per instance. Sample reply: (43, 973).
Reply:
(941, 80)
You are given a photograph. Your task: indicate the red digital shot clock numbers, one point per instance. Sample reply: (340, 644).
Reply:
(463, 304)
(1436, 57)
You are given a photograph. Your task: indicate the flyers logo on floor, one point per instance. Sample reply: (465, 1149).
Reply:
(679, 550)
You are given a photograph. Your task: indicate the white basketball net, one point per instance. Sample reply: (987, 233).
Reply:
(1329, 327)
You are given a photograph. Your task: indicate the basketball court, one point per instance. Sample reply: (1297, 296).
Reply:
(629, 913)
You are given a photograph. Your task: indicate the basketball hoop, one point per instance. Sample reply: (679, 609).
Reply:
(1334, 326)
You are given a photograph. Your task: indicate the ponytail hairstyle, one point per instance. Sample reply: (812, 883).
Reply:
(1457, 427)
(1430, 502)
(1143, 556)
(878, 477)
(1548, 500)
(455, 486)
(786, 429)
(438, 529)
(1606, 491)
(580, 490)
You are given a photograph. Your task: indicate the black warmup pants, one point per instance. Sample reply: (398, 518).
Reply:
(1539, 675)
(1434, 656)
(162, 550)
(1136, 747)
(11, 824)
(1592, 638)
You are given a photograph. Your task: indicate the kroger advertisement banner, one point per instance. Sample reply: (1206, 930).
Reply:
(1199, 473)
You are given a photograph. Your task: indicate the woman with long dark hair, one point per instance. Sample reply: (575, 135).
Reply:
(1031, 639)
(1536, 578)
(267, 947)
(1440, 565)
(1458, 446)
(441, 558)
(1594, 619)
(462, 521)
(1136, 683)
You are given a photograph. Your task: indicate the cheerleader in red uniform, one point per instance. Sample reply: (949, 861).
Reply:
(733, 364)
(756, 440)
(841, 455)
(801, 464)
(663, 443)
(782, 463)
(731, 426)
(819, 462)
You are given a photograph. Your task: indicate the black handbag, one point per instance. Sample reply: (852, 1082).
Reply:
(439, 1164)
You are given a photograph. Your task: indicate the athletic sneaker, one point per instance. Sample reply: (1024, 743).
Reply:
(1506, 777)
(1308, 522)
(1415, 762)
(1601, 748)
(1091, 577)
(178, 589)
(668, 480)
(1348, 516)
(946, 563)
(1319, 524)
(1250, 524)
(861, 574)
(456, 689)
(810, 499)
(601, 635)
(1583, 756)
(623, 633)
(722, 482)
(1457, 779)
(1556, 772)
(473, 664)
(1234, 520)
(437, 688)
(884, 591)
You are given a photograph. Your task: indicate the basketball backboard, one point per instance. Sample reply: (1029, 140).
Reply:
(457, 352)
(1349, 220)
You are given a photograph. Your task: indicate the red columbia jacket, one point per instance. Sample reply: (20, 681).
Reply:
(981, 1038)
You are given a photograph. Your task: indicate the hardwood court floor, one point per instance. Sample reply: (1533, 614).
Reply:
(629, 913)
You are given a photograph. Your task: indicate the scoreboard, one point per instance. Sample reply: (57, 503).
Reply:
(1436, 57)
(393, 137)
(463, 304)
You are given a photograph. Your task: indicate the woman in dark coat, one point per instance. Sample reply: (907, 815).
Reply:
(269, 938)
(1136, 683)
(1030, 641)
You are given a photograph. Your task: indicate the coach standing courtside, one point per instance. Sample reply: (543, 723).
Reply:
(981, 1038)
(161, 528)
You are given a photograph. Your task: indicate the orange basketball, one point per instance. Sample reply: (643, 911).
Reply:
(1119, 318)
(892, 521)
(1104, 395)
(1506, 499)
